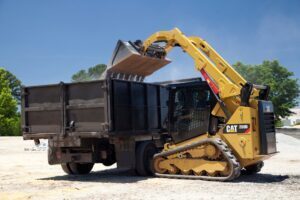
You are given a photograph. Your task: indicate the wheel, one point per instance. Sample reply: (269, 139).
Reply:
(66, 168)
(255, 168)
(144, 158)
(77, 168)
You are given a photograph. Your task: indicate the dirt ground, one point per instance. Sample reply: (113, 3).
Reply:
(25, 174)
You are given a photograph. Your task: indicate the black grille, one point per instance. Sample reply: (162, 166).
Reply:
(267, 128)
(269, 122)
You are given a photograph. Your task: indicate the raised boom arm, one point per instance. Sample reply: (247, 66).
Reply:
(227, 84)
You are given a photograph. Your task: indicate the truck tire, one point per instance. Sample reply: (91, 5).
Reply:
(77, 168)
(66, 168)
(143, 158)
(253, 169)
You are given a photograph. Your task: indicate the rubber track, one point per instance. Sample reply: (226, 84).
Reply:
(224, 149)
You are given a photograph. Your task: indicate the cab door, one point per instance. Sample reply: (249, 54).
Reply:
(190, 112)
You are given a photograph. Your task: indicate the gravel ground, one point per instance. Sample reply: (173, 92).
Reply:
(25, 174)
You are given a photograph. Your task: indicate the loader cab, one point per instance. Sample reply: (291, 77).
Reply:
(190, 105)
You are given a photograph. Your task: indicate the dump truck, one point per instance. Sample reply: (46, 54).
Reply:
(210, 129)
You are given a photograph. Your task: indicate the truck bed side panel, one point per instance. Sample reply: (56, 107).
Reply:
(61, 109)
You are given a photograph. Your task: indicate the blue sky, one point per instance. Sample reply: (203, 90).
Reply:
(48, 41)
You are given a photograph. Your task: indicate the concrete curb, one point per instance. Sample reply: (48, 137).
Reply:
(295, 132)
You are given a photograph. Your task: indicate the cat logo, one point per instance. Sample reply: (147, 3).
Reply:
(231, 128)
(237, 128)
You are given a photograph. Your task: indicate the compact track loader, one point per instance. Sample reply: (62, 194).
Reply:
(241, 130)
(194, 129)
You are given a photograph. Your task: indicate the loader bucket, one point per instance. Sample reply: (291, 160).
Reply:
(127, 60)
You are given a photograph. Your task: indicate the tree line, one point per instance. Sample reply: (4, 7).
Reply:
(284, 90)
(10, 96)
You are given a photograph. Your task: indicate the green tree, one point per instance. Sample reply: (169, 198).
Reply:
(284, 88)
(9, 116)
(13, 83)
(92, 73)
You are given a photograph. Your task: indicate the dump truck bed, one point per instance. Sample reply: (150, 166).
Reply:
(93, 109)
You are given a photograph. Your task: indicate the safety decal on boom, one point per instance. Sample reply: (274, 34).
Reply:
(236, 128)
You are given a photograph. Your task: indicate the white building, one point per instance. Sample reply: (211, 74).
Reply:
(293, 119)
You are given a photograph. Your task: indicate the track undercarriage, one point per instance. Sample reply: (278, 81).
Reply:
(208, 159)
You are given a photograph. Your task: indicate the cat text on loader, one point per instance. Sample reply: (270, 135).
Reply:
(241, 123)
